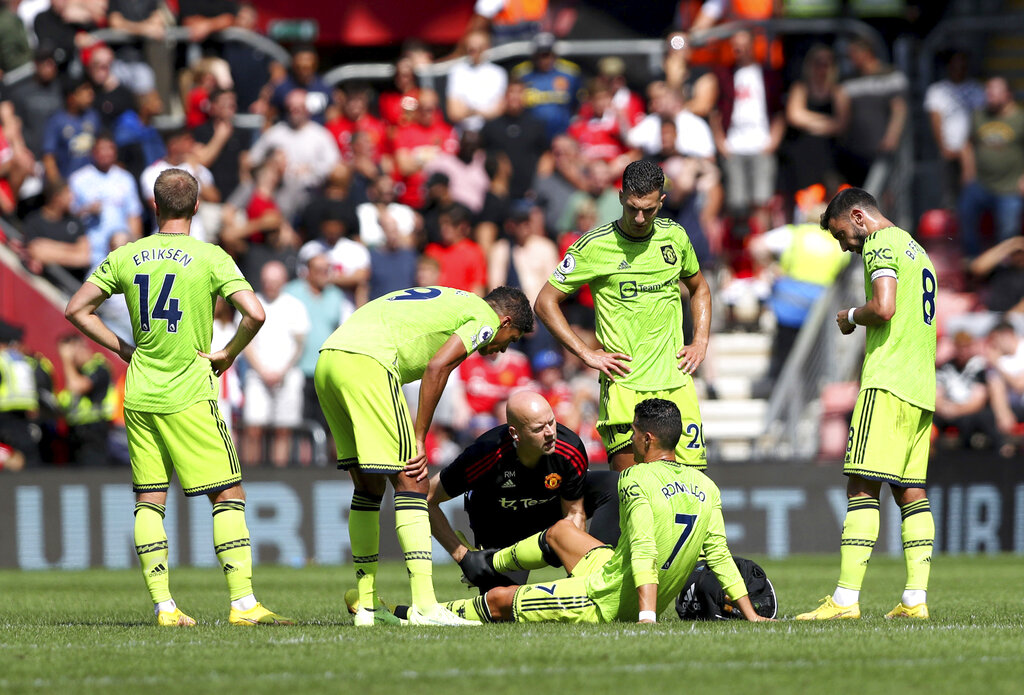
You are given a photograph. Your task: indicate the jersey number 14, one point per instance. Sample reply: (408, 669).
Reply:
(166, 308)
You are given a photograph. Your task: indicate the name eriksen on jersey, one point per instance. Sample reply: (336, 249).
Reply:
(176, 255)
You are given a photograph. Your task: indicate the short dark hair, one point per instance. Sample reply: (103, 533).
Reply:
(53, 187)
(511, 302)
(457, 214)
(843, 202)
(642, 177)
(176, 193)
(661, 418)
(1001, 326)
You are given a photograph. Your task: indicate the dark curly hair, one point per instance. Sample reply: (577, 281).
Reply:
(843, 202)
(642, 177)
(511, 302)
(661, 418)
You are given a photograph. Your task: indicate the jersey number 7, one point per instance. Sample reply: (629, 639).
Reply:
(686, 520)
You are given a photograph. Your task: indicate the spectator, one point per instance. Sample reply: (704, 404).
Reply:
(303, 76)
(230, 397)
(600, 189)
(625, 102)
(496, 201)
(205, 17)
(208, 75)
(748, 125)
(138, 142)
(1000, 270)
(393, 263)
(335, 199)
(355, 117)
(60, 24)
(36, 99)
(143, 19)
(817, 111)
(14, 48)
(525, 258)
(993, 167)
(551, 383)
(693, 136)
(463, 265)
(106, 198)
(489, 380)
(274, 382)
(54, 236)
(558, 177)
(381, 212)
(323, 302)
(961, 399)
(551, 85)
(181, 155)
(878, 113)
(598, 127)
(519, 135)
(465, 171)
(951, 104)
(223, 149)
(87, 401)
(112, 97)
(476, 88)
(693, 191)
(349, 259)
(18, 396)
(416, 143)
(508, 20)
(1005, 355)
(399, 103)
(309, 148)
(70, 133)
(698, 83)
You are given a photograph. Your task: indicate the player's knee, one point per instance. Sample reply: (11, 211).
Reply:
(499, 602)
(235, 492)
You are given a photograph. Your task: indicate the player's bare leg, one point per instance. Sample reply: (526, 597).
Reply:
(499, 602)
(252, 445)
(570, 543)
(281, 447)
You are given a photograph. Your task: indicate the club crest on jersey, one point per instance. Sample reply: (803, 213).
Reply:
(552, 481)
(568, 264)
(669, 254)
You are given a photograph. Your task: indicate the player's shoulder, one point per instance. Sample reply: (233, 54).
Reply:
(669, 227)
(594, 239)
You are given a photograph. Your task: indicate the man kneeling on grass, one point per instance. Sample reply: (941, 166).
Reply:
(669, 514)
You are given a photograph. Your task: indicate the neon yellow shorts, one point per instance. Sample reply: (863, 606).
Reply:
(366, 411)
(889, 440)
(193, 442)
(615, 419)
(563, 600)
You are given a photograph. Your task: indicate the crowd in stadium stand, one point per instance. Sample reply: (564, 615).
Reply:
(349, 191)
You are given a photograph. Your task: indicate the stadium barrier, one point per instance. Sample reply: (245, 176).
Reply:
(74, 519)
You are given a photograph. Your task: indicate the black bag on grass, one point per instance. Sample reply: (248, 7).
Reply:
(703, 598)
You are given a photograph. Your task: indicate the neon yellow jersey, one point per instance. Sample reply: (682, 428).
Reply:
(669, 514)
(403, 330)
(170, 283)
(636, 296)
(900, 355)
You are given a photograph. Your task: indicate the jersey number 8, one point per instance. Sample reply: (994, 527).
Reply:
(928, 298)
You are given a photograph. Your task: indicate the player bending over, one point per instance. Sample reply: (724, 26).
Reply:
(669, 514)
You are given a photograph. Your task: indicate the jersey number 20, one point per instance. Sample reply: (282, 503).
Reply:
(686, 520)
(166, 308)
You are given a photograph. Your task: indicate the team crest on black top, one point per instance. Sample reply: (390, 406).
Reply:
(552, 481)
(669, 254)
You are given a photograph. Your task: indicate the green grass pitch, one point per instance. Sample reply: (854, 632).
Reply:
(92, 632)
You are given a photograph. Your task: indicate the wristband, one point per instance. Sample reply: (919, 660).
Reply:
(649, 615)
(849, 315)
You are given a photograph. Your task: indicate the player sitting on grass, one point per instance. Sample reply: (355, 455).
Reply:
(669, 513)
(170, 281)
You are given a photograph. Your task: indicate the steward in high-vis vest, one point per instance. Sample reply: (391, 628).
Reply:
(18, 398)
(87, 401)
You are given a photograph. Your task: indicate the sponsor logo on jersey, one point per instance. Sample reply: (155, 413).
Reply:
(558, 276)
(568, 264)
(628, 289)
(669, 254)
(623, 266)
(515, 504)
(552, 481)
(872, 255)
(482, 338)
(508, 484)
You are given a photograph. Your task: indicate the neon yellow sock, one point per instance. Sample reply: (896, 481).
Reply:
(231, 543)
(524, 555)
(151, 547)
(470, 609)
(918, 529)
(364, 538)
(413, 527)
(860, 531)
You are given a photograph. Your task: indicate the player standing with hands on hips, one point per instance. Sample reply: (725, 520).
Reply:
(170, 281)
(891, 425)
(634, 266)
